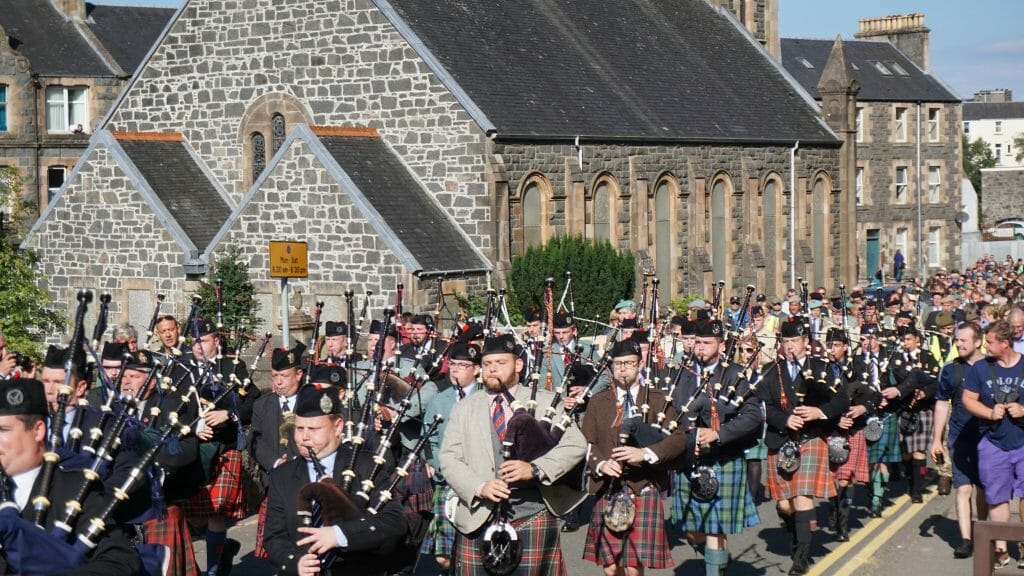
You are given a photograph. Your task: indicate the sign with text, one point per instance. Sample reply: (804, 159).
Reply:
(288, 260)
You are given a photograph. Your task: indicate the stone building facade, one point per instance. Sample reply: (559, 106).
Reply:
(1004, 194)
(696, 172)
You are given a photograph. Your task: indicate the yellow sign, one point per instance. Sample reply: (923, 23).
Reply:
(288, 260)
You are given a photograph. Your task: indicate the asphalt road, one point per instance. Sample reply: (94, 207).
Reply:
(909, 539)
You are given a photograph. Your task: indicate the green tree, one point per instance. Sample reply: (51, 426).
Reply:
(977, 155)
(29, 316)
(241, 309)
(601, 275)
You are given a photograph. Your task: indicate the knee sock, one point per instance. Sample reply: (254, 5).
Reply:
(802, 550)
(918, 468)
(714, 560)
(878, 481)
(214, 547)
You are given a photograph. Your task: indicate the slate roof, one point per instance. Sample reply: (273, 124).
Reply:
(128, 32)
(625, 69)
(915, 85)
(420, 224)
(181, 185)
(53, 44)
(993, 110)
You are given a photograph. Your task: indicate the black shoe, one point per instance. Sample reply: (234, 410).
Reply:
(227, 556)
(964, 550)
(843, 536)
(917, 499)
(876, 510)
(797, 569)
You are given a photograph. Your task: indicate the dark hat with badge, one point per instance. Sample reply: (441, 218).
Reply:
(905, 330)
(140, 360)
(205, 327)
(837, 335)
(470, 332)
(377, 327)
(709, 329)
(283, 358)
(793, 328)
(563, 320)
(625, 348)
(328, 374)
(317, 400)
(23, 397)
(56, 356)
(734, 300)
(464, 351)
(641, 336)
(531, 314)
(688, 327)
(335, 329)
(906, 314)
(869, 329)
(423, 320)
(114, 351)
(503, 344)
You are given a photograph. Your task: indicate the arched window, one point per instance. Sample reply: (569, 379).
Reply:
(720, 231)
(664, 261)
(259, 153)
(278, 132)
(602, 212)
(533, 226)
(820, 231)
(774, 241)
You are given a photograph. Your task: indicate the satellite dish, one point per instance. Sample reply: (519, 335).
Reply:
(961, 217)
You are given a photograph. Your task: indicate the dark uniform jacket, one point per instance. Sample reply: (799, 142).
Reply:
(265, 435)
(226, 434)
(912, 372)
(812, 387)
(371, 539)
(860, 389)
(740, 425)
(183, 472)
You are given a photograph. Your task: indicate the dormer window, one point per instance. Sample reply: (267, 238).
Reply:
(881, 68)
(900, 70)
(805, 62)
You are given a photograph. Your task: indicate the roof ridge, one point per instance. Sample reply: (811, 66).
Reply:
(148, 136)
(346, 131)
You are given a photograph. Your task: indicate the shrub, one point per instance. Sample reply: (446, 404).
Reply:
(240, 305)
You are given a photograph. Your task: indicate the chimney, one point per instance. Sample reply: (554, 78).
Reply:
(907, 32)
(998, 95)
(73, 9)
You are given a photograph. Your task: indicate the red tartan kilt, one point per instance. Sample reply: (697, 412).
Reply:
(855, 469)
(645, 544)
(224, 495)
(417, 493)
(173, 533)
(259, 551)
(542, 551)
(813, 478)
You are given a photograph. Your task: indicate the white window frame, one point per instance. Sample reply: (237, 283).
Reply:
(999, 127)
(66, 97)
(53, 191)
(933, 124)
(860, 123)
(934, 184)
(901, 186)
(934, 235)
(900, 127)
(859, 185)
(900, 240)
(967, 127)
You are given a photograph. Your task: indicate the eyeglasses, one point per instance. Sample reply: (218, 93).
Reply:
(747, 350)
(624, 363)
(461, 365)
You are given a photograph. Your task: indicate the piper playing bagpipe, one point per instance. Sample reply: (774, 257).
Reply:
(472, 464)
(725, 421)
(627, 475)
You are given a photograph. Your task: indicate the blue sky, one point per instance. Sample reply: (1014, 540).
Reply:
(975, 45)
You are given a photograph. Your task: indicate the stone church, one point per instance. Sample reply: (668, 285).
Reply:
(409, 141)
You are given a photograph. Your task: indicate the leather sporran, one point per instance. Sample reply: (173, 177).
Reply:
(910, 423)
(704, 483)
(873, 429)
(838, 450)
(620, 512)
(789, 457)
(502, 550)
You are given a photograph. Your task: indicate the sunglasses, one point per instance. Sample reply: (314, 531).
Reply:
(747, 350)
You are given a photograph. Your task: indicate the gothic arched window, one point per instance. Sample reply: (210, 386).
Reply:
(278, 133)
(259, 154)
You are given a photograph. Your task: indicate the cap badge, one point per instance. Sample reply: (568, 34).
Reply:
(326, 405)
(15, 397)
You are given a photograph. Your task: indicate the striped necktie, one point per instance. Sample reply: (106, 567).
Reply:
(498, 418)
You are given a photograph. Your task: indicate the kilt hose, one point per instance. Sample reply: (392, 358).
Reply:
(887, 448)
(440, 537)
(223, 496)
(856, 469)
(259, 551)
(813, 478)
(538, 535)
(921, 439)
(729, 512)
(644, 544)
(173, 533)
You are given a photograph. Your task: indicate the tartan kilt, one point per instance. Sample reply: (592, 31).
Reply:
(417, 490)
(259, 551)
(887, 448)
(644, 544)
(921, 440)
(542, 550)
(730, 512)
(173, 533)
(856, 469)
(440, 537)
(223, 495)
(813, 478)
(757, 452)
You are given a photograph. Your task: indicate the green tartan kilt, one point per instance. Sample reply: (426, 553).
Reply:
(728, 513)
(440, 537)
(887, 448)
(758, 451)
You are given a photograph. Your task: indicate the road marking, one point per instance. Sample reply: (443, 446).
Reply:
(893, 524)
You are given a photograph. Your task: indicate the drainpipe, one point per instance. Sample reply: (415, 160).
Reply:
(792, 213)
(922, 262)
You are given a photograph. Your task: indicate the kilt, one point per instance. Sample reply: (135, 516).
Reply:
(173, 533)
(856, 469)
(757, 452)
(645, 544)
(416, 489)
(887, 448)
(920, 441)
(538, 535)
(813, 478)
(259, 551)
(223, 496)
(440, 538)
(729, 512)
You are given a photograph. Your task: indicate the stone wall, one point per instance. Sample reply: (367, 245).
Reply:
(1003, 196)
(342, 59)
(879, 155)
